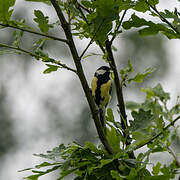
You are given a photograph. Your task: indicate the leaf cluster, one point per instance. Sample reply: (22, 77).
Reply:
(147, 128)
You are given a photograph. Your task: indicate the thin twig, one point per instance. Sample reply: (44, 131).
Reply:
(117, 29)
(91, 41)
(34, 32)
(159, 134)
(79, 6)
(82, 7)
(174, 156)
(119, 94)
(38, 56)
(164, 19)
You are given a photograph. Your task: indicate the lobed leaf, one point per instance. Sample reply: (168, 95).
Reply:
(50, 68)
(132, 105)
(157, 91)
(150, 29)
(141, 76)
(5, 11)
(42, 21)
(114, 139)
(109, 115)
(142, 119)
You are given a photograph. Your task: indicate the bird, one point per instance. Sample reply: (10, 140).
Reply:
(101, 88)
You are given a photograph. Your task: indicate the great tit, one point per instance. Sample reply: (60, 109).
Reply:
(101, 87)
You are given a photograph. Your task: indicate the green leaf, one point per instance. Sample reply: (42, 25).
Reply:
(66, 173)
(141, 6)
(41, 173)
(157, 91)
(92, 147)
(156, 169)
(142, 120)
(18, 36)
(116, 175)
(100, 28)
(114, 139)
(153, 2)
(5, 11)
(107, 9)
(139, 136)
(133, 174)
(150, 29)
(41, 20)
(104, 162)
(110, 116)
(172, 15)
(91, 54)
(87, 4)
(160, 177)
(50, 68)
(141, 76)
(125, 73)
(54, 153)
(132, 105)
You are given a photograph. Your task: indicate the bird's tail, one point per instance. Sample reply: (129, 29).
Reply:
(102, 118)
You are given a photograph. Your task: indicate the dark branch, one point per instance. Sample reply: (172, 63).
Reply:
(34, 32)
(164, 19)
(119, 94)
(92, 39)
(80, 7)
(120, 98)
(82, 77)
(117, 29)
(159, 134)
(38, 56)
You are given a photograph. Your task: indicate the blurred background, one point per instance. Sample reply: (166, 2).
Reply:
(39, 111)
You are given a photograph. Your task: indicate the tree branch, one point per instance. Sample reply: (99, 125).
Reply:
(34, 32)
(164, 19)
(174, 156)
(38, 56)
(79, 6)
(91, 41)
(117, 29)
(156, 136)
(82, 77)
(119, 94)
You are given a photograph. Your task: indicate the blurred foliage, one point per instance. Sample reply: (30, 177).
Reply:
(7, 138)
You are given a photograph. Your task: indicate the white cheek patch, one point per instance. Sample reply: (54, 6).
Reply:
(100, 71)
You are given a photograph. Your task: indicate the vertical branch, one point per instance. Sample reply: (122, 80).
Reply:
(120, 98)
(119, 94)
(81, 76)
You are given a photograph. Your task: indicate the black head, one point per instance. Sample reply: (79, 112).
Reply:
(103, 70)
